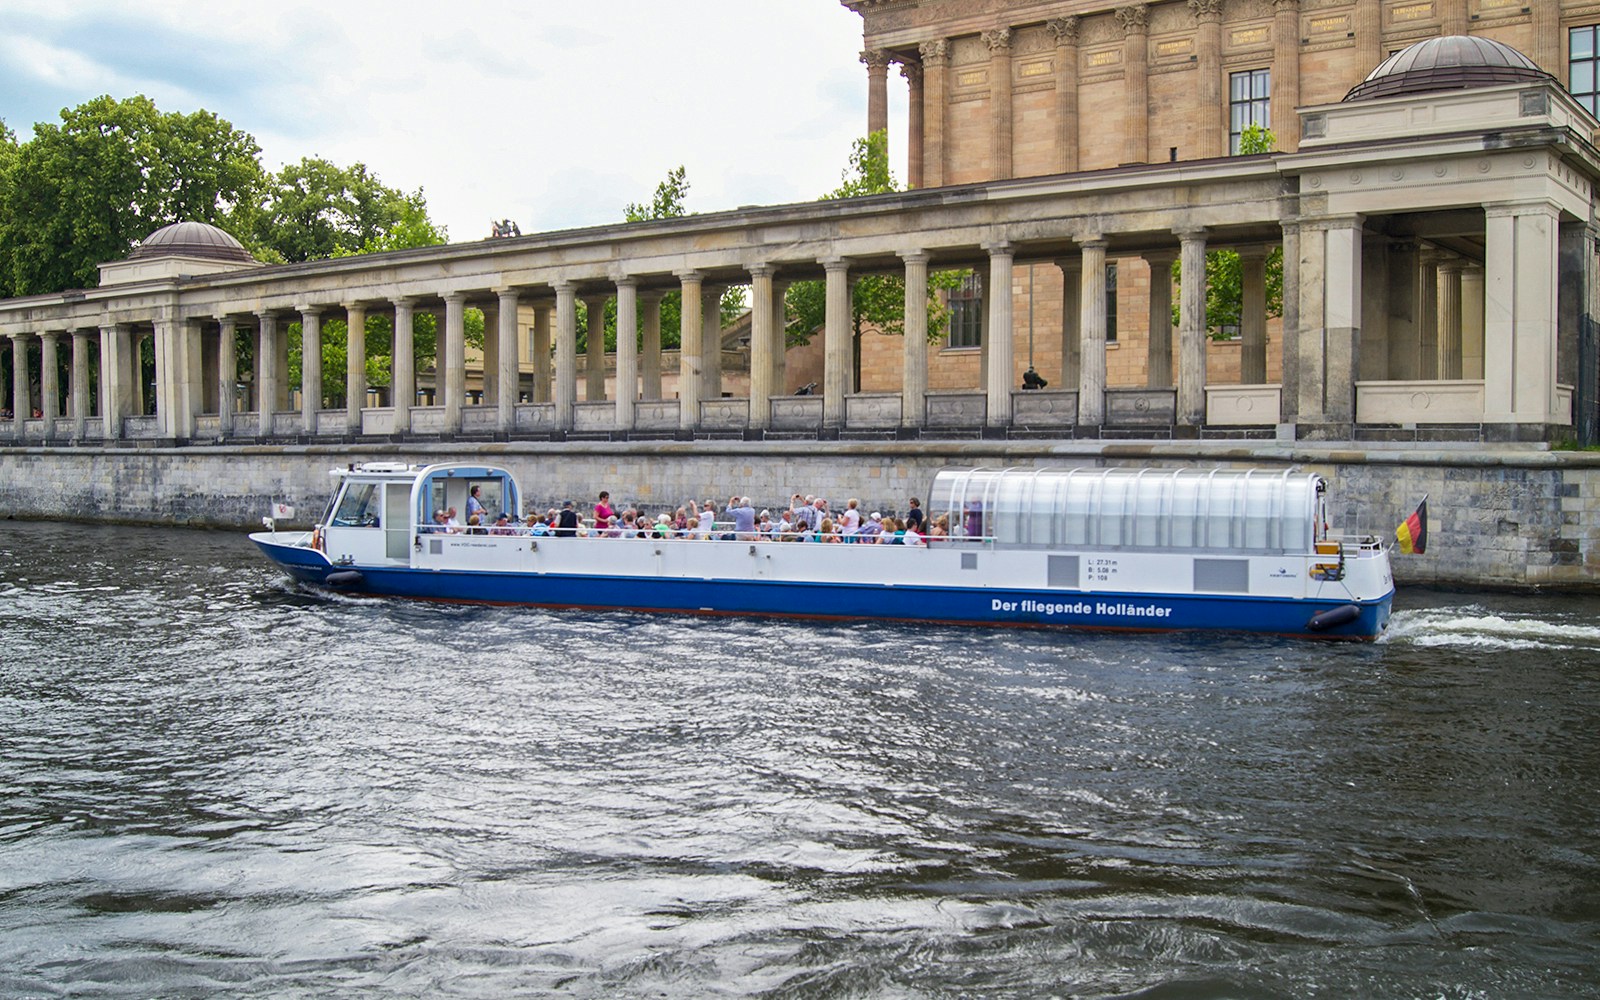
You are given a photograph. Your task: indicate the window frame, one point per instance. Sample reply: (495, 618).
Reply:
(1254, 107)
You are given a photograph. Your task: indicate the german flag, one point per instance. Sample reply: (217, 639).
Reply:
(1413, 531)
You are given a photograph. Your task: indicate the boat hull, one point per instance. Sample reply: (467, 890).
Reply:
(851, 600)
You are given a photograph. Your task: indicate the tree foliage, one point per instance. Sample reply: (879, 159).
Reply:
(84, 191)
(316, 209)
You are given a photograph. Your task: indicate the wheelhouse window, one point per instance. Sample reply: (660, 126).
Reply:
(1582, 56)
(966, 313)
(1249, 103)
(360, 506)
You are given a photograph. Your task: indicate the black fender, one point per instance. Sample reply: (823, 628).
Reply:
(343, 578)
(1334, 617)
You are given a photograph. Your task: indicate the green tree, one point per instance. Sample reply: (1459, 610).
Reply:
(316, 209)
(1225, 272)
(876, 300)
(84, 191)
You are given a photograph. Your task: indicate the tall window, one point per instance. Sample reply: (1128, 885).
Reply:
(1111, 302)
(1581, 63)
(966, 313)
(1249, 103)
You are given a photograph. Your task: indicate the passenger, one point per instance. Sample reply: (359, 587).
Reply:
(850, 521)
(567, 521)
(700, 527)
(663, 526)
(475, 508)
(502, 526)
(744, 518)
(438, 522)
(680, 521)
(602, 510)
(540, 528)
(914, 517)
(887, 530)
(827, 533)
(764, 526)
(873, 528)
(941, 527)
(528, 525)
(475, 525)
(785, 526)
(451, 525)
(911, 536)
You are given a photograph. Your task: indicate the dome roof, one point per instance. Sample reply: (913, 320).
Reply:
(192, 239)
(1454, 62)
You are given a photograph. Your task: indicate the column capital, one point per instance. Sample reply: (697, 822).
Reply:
(564, 286)
(50, 335)
(1286, 6)
(306, 309)
(762, 270)
(621, 278)
(454, 298)
(651, 296)
(1156, 258)
(689, 274)
(1452, 265)
(915, 256)
(912, 72)
(998, 40)
(1330, 222)
(1505, 209)
(1254, 252)
(1063, 29)
(999, 248)
(403, 300)
(935, 51)
(1206, 11)
(1190, 233)
(347, 306)
(1134, 18)
(1091, 241)
(831, 264)
(876, 60)
(1069, 265)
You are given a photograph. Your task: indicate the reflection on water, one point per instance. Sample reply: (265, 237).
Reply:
(214, 783)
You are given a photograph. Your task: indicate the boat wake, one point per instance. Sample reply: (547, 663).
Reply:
(1477, 627)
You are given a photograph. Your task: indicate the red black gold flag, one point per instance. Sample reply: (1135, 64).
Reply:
(1413, 531)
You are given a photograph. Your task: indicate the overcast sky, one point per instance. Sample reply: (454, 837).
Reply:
(553, 113)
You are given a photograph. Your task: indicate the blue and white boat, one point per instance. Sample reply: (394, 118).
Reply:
(1145, 550)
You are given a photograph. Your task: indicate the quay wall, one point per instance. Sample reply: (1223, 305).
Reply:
(1512, 516)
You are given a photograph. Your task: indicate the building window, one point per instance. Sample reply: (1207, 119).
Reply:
(1249, 103)
(966, 312)
(1581, 61)
(1111, 303)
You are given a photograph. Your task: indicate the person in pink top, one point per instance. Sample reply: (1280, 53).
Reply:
(602, 509)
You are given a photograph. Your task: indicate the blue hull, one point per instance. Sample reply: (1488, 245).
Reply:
(970, 606)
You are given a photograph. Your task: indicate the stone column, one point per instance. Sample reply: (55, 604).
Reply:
(1213, 130)
(1330, 320)
(489, 368)
(627, 350)
(268, 374)
(1293, 329)
(310, 368)
(541, 353)
(914, 127)
(1136, 82)
(780, 328)
(1000, 342)
(1520, 281)
(836, 341)
(507, 359)
(1253, 316)
(594, 355)
(935, 67)
(1369, 36)
(1000, 110)
(452, 363)
(1472, 322)
(355, 369)
(1449, 311)
(178, 391)
(566, 374)
(1071, 320)
(711, 343)
(1092, 327)
(650, 361)
(1192, 329)
(877, 63)
(691, 363)
(80, 383)
(1158, 362)
(1547, 48)
(914, 377)
(1452, 17)
(21, 390)
(763, 343)
(1427, 365)
(403, 372)
(1065, 32)
(1286, 73)
(227, 373)
(115, 394)
(49, 380)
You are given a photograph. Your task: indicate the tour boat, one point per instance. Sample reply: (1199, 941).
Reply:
(1130, 549)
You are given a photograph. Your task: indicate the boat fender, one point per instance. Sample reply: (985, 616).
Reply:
(1334, 617)
(343, 578)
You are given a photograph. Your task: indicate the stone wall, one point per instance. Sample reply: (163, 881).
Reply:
(1512, 517)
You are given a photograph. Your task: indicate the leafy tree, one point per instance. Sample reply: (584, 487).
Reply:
(316, 209)
(84, 191)
(876, 300)
(1225, 272)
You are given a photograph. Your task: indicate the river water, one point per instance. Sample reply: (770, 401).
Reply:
(213, 783)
